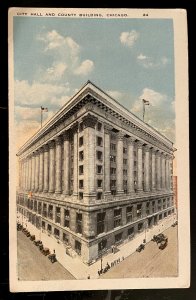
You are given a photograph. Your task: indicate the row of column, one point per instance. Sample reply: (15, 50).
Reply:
(157, 171)
(42, 171)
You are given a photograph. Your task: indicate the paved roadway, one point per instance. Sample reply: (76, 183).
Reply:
(151, 262)
(32, 265)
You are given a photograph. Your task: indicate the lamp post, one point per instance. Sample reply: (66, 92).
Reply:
(101, 256)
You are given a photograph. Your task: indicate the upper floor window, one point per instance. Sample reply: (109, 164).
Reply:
(81, 141)
(99, 141)
(81, 155)
(99, 155)
(99, 126)
(99, 169)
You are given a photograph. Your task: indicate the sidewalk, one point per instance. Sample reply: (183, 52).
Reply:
(80, 270)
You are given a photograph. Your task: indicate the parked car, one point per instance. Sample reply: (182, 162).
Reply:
(37, 242)
(45, 251)
(159, 238)
(52, 257)
(163, 244)
(140, 248)
(32, 237)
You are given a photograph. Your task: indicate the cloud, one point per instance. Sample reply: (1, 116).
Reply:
(85, 68)
(37, 94)
(65, 57)
(151, 63)
(159, 114)
(115, 94)
(129, 38)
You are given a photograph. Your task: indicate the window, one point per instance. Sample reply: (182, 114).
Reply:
(44, 212)
(81, 184)
(147, 208)
(159, 205)
(99, 183)
(118, 237)
(139, 211)
(153, 207)
(124, 150)
(125, 172)
(79, 223)
(99, 155)
(50, 212)
(165, 214)
(81, 141)
(39, 208)
(124, 161)
(58, 215)
(43, 225)
(164, 204)
(130, 232)
(100, 222)
(160, 217)
(117, 217)
(113, 158)
(81, 126)
(140, 227)
(113, 147)
(81, 170)
(99, 195)
(49, 228)
(81, 155)
(113, 183)
(78, 247)
(112, 171)
(102, 245)
(65, 238)
(99, 141)
(56, 232)
(35, 206)
(66, 218)
(99, 126)
(80, 195)
(99, 169)
(168, 202)
(129, 212)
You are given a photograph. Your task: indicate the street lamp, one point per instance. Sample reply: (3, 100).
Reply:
(101, 255)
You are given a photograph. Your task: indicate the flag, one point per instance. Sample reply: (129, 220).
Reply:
(146, 102)
(44, 109)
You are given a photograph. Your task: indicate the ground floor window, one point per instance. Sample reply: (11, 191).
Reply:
(140, 227)
(78, 247)
(165, 214)
(118, 237)
(130, 232)
(102, 245)
(49, 228)
(65, 238)
(43, 225)
(56, 232)
(160, 217)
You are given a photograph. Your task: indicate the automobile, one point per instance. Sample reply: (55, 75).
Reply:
(45, 251)
(19, 227)
(174, 224)
(41, 247)
(32, 237)
(27, 233)
(163, 244)
(52, 257)
(140, 248)
(159, 238)
(37, 242)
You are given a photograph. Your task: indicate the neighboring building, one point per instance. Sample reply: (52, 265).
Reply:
(95, 175)
(175, 190)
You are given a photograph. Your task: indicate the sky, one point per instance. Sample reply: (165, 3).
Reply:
(130, 59)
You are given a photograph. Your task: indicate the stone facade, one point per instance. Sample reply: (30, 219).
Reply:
(95, 175)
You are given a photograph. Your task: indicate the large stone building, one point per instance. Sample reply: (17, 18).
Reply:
(95, 175)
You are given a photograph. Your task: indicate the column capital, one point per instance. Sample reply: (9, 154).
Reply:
(89, 121)
(147, 148)
(51, 144)
(66, 136)
(41, 150)
(153, 150)
(140, 145)
(74, 127)
(120, 135)
(45, 147)
(58, 140)
(131, 140)
(158, 153)
(107, 128)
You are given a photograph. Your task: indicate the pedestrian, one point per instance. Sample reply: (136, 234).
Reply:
(54, 251)
(98, 272)
(88, 276)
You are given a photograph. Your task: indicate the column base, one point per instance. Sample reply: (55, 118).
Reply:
(107, 193)
(58, 192)
(51, 192)
(120, 192)
(45, 191)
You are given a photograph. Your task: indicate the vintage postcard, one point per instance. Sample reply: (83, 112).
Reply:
(99, 164)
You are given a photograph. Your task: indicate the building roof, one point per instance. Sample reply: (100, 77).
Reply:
(90, 89)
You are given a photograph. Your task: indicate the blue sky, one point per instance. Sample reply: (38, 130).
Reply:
(130, 59)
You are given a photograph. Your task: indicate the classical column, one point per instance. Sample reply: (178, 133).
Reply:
(66, 163)
(29, 175)
(158, 169)
(163, 171)
(166, 172)
(58, 188)
(153, 170)
(130, 169)
(107, 129)
(51, 166)
(37, 171)
(41, 170)
(139, 166)
(75, 159)
(46, 168)
(170, 173)
(119, 163)
(146, 169)
(33, 173)
(89, 122)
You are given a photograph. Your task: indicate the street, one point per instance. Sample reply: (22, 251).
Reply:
(33, 265)
(150, 262)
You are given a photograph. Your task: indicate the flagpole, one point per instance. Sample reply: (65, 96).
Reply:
(143, 110)
(41, 116)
